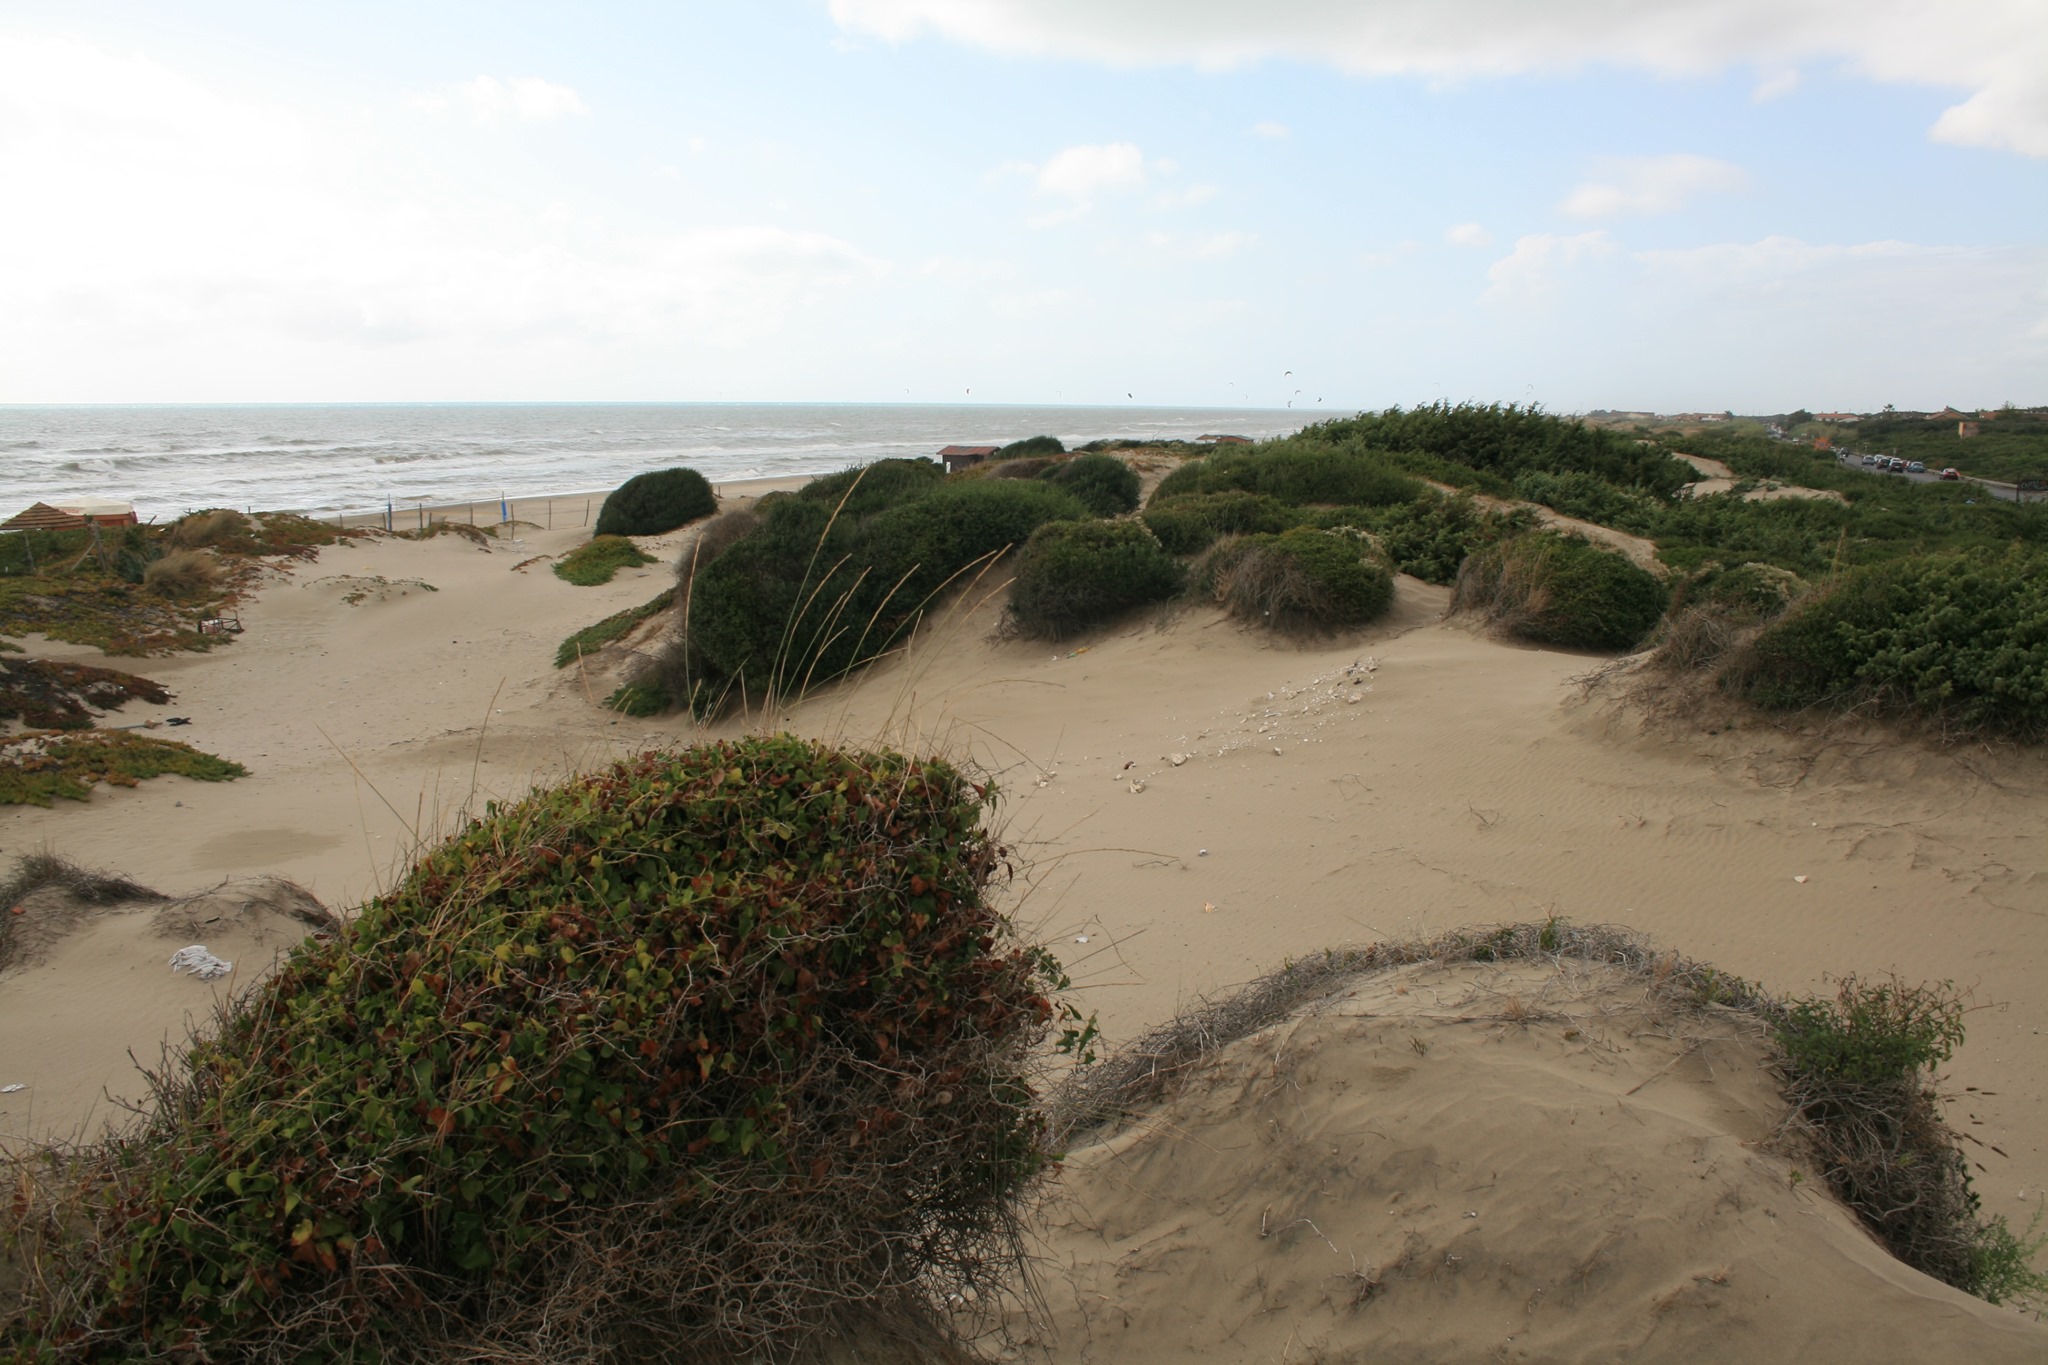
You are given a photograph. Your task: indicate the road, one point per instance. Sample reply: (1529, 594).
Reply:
(1854, 460)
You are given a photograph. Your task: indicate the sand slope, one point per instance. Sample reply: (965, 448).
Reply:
(1481, 1162)
(1192, 803)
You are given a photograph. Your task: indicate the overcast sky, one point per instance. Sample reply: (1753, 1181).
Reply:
(1672, 204)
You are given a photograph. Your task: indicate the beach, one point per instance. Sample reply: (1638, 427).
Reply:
(1190, 802)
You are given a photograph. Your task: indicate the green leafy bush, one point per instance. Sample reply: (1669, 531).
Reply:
(1959, 638)
(1030, 446)
(1504, 440)
(656, 503)
(597, 559)
(716, 1042)
(1303, 580)
(1104, 484)
(1859, 1073)
(866, 489)
(1591, 498)
(1074, 574)
(812, 594)
(1192, 522)
(1561, 590)
(1431, 537)
(1296, 470)
(38, 766)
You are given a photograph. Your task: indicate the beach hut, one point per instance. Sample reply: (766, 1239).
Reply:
(960, 457)
(71, 516)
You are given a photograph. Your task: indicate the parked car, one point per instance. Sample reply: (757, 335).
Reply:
(1916, 467)
(1952, 473)
(1870, 459)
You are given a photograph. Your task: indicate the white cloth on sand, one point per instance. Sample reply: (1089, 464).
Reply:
(202, 964)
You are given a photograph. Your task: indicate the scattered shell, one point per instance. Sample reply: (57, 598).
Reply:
(1137, 787)
(1177, 759)
(1208, 907)
(1276, 748)
(1202, 853)
(1800, 880)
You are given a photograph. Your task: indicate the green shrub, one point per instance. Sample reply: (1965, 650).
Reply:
(1030, 467)
(1561, 590)
(1592, 498)
(1296, 470)
(866, 489)
(1748, 592)
(1105, 485)
(617, 626)
(716, 1043)
(1959, 638)
(597, 559)
(36, 766)
(1194, 521)
(1504, 440)
(811, 595)
(656, 503)
(1031, 445)
(1859, 1074)
(1074, 574)
(1431, 537)
(1304, 580)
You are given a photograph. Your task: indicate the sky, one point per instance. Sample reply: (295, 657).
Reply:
(1674, 205)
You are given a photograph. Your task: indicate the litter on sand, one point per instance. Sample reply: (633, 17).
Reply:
(195, 959)
(10, 1089)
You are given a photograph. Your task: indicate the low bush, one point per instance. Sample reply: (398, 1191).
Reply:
(1030, 446)
(1192, 522)
(38, 766)
(1029, 467)
(1432, 536)
(1298, 471)
(1859, 1073)
(200, 530)
(1074, 574)
(183, 576)
(814, 592)
(1960, 639)
(720, 534)
(1104, 484)
(596, 560)
(617, 626)
(1303, 581)
(709, 1049)
(1752, 592)
(866, 489)
(46, 695)
(1561, 590)
(656, 503)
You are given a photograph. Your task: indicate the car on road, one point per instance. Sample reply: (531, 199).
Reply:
(1916, 467)
(1952, 473)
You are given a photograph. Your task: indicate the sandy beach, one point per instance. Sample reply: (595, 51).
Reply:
(1192, 803)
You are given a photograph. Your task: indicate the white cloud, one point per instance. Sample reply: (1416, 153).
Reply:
(1468, 234)
(1997, 50)
(1183, 199)
(1651, 184)
(1267, 128)
(1213, 247)
(1775, 85)
(335, 251)
(521, 99)
(1531, 272)
(1020, 305)
(1080, 173)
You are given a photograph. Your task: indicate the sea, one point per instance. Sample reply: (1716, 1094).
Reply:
(365, 457)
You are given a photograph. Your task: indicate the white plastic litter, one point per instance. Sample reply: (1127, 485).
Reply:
(195, 959)
(10, 1089)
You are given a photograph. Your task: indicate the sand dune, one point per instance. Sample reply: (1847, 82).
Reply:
(1193, 803)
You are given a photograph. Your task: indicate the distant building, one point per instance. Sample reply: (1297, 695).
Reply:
(1949, 415)
(1840, 419)
(1223, 440)
(956, 458)
(70, 517)
(1965, 430)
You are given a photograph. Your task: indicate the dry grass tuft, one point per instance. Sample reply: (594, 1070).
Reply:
(203, 529)
(183, 575)
(79, 889)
